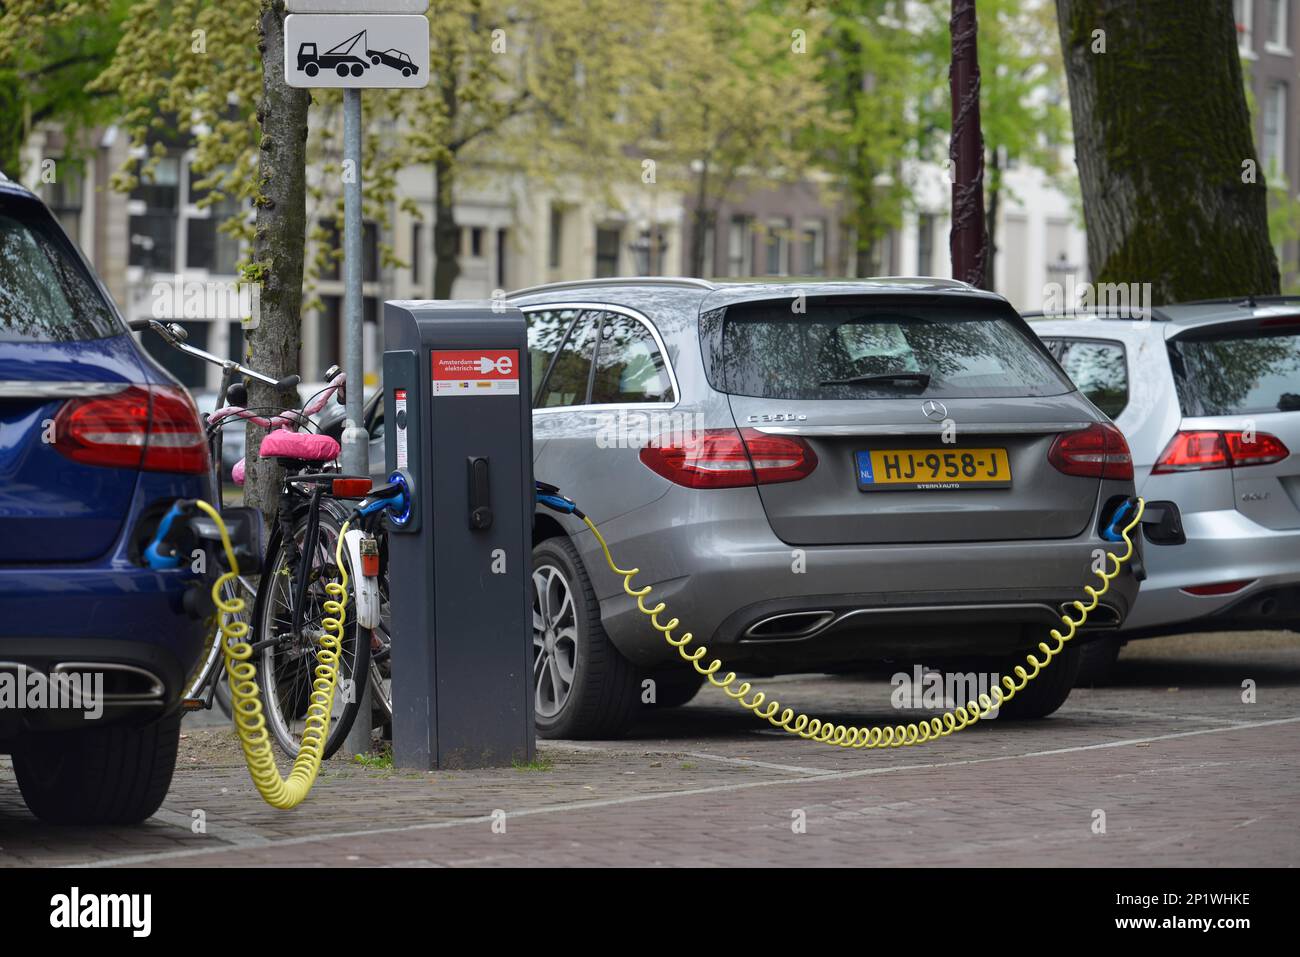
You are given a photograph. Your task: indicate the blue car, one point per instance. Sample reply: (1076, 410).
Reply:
(96, 442)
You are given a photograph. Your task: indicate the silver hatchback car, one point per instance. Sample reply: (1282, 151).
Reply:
(1208, 396)
(814, 476)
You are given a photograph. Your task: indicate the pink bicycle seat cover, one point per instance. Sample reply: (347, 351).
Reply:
(307, 446)
(237, 473)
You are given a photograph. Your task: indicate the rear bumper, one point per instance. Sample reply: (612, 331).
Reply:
(1222, 546)
(724, 576)
(123, 623)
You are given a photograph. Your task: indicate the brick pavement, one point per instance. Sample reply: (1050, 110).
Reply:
(1184, 771)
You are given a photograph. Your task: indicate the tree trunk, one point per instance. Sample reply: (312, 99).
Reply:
(995, 204)
(446, 234)
(1165, 150)
(278, 246)
(702, 218)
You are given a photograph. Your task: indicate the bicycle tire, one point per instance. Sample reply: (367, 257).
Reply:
(284, 671)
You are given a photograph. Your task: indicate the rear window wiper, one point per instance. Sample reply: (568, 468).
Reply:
(917, 379)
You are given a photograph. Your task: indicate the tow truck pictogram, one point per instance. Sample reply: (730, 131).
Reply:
(338, 58)
(344, 61)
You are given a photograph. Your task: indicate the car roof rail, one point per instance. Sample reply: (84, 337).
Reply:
(685, 281)
(1248, 301)
(1157, 315)
(932, 280)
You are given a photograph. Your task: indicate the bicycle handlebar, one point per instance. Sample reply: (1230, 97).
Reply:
(174, 335)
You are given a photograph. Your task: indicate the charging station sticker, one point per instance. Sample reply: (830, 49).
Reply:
(399, 406)
(475, 372)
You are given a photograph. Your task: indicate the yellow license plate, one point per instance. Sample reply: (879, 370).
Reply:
(938, 469)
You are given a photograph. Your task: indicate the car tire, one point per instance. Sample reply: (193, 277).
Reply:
(676, 688)
(1097, 661)
(114, 775)
(602, 695)
(1048, 691)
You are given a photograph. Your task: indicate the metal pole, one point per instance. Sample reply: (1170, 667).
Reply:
(968, 240)
(356, 457)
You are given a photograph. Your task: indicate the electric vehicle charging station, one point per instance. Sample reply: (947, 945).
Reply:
(457, 395)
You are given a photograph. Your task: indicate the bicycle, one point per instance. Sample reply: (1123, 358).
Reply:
(287, 604)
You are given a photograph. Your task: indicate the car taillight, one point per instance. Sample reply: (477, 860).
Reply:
(154, 428)
(1099, 451)
(727, 458)
(1202, 450)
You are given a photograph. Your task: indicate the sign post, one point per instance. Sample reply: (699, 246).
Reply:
(354, 45)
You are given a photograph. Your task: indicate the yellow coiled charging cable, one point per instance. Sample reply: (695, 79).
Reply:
(888, 736)
(246, 706)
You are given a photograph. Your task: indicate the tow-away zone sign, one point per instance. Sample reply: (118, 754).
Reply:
(359, 51)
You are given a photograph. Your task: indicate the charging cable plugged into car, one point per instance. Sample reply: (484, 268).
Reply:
(197, 523)
(1130, 512)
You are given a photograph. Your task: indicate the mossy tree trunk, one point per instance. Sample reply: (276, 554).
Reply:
(278, 244)
(1172, 190)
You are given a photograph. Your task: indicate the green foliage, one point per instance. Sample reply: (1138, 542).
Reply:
(50, 51)
(880, 63)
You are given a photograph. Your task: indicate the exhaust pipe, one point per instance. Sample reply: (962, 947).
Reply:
(790, 626)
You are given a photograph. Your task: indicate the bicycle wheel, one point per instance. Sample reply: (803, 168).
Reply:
(286, 663)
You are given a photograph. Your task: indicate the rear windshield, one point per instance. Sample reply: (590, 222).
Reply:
(45, 294)
(842, 351)
(1238, 374)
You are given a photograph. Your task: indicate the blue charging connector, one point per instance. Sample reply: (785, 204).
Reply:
(550, 497)
(1114, 529)
(153, 555)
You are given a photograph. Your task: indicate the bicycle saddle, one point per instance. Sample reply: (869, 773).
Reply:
(303, 446)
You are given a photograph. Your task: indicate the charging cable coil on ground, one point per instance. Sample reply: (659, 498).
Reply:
(246, 705)
(887, 736)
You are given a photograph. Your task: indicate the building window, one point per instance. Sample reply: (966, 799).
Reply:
(207, 245)
(65, 199)
(1245, 16)
(369, 251)
(925, 245)
(557, 236)
(417, 250)
(607, 243)
(1274, 140)
(739, 247)
(1278, 41)
(778, 247)
(503, 238)
(813, 242)
(709, 239)
(476, 242)
(329, 332)
(153, 229)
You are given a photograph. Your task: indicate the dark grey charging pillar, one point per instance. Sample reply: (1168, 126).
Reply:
(458, 422)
